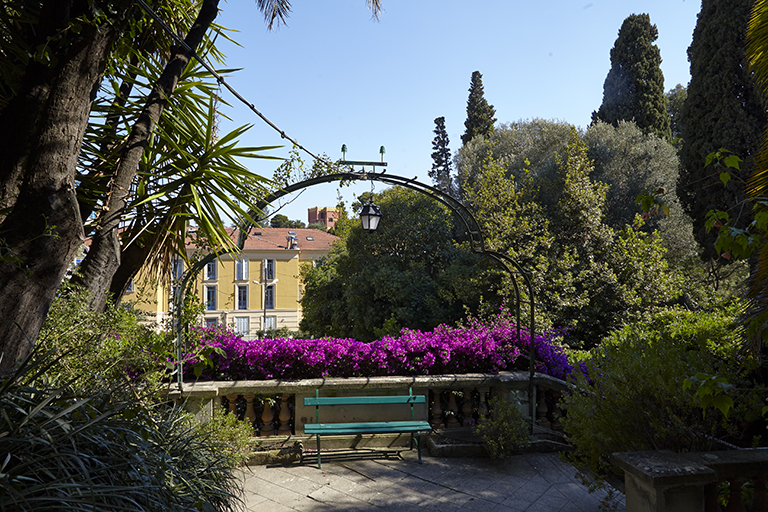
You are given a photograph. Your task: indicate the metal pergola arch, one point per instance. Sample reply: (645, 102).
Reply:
(471, 227)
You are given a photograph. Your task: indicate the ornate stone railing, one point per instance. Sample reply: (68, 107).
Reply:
(275, 407)
(664, 481)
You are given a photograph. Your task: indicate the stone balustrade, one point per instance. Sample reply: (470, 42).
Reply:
(664, 481)
(275, 407)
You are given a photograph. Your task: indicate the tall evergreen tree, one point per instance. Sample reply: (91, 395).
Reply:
(441, 158)
(675, 100)
(480, 114)
(634, 87)
(723, 110)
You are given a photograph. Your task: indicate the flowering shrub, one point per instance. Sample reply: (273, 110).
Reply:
(482, 348)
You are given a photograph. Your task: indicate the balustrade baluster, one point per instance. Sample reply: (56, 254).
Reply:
(285, 416)
(250, 411)
(735, 500)
(760, 497)
(541, 409)
(232, 404)
(466, 408)
(482, 408)
(451, 419)
(436, 413)
(267, 419)
(711, 499)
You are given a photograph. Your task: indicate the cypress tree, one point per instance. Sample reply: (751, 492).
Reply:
(634, 87)
(480, 114)
(723, 110)
(675, 100)
(441, 158)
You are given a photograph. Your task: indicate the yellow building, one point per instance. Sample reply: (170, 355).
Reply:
(257, 290)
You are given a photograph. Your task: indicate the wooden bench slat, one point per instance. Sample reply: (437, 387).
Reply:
(365, 400)
(371, 427)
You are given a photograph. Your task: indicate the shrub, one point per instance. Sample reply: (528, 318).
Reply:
(631, 395)
(65, 450)
(504, 430)
(97, 348)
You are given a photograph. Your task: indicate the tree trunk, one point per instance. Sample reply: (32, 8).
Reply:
(19, 117)
(40, 236)
(103, 259)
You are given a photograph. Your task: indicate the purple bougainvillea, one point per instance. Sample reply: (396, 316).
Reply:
(482, 347)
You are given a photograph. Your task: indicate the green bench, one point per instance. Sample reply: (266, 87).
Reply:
(369, 427)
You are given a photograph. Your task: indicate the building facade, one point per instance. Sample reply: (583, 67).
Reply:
(326, 216)
(257, 290)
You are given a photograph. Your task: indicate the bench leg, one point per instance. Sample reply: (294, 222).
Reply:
(418, 445)
(318, 452)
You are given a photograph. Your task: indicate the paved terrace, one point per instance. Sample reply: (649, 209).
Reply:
(531, 482)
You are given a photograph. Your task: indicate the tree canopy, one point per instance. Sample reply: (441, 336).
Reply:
(634, 87)
(57, 167)
(408, 273)
(441, 158)
(723, 110)
(282, 221)
(589, 277)
(480, 113)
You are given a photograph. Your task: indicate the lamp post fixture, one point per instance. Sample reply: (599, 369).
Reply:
(370, 216)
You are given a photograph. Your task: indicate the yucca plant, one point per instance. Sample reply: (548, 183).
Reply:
(60, 450)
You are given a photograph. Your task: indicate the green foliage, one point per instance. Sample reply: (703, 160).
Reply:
(281, 221)
(624, 158)
(233, 437)
(634, 87)
(441, 158)
(634, 396)
(409, 273)
(105, 450)
(723, 109)
(675, 100)
(97, 348)
(535, 141)
(710, 390)
(504, 430)
(189, 172)
(317, 225)
(631, 162)
(480, 113)
(586, 276)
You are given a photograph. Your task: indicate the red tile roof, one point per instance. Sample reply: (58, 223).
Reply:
(270, 238)
(276, 238)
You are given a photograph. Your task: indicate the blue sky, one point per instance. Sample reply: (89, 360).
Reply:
(334, 76)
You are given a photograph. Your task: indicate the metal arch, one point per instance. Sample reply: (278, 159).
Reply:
(471, 226)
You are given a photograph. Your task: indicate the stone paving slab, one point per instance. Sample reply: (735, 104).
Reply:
(531, 483)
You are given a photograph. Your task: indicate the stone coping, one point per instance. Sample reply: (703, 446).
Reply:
(735, 464)
(212, 389)
(665, 468)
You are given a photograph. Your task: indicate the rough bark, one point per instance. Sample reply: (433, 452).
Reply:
(103, 259)
(19, 116)
(42, 233)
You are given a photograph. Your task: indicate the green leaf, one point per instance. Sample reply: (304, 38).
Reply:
(732, 161)
(723, 403)
(725, 177)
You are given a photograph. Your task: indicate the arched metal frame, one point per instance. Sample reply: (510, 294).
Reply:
(471, 228)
